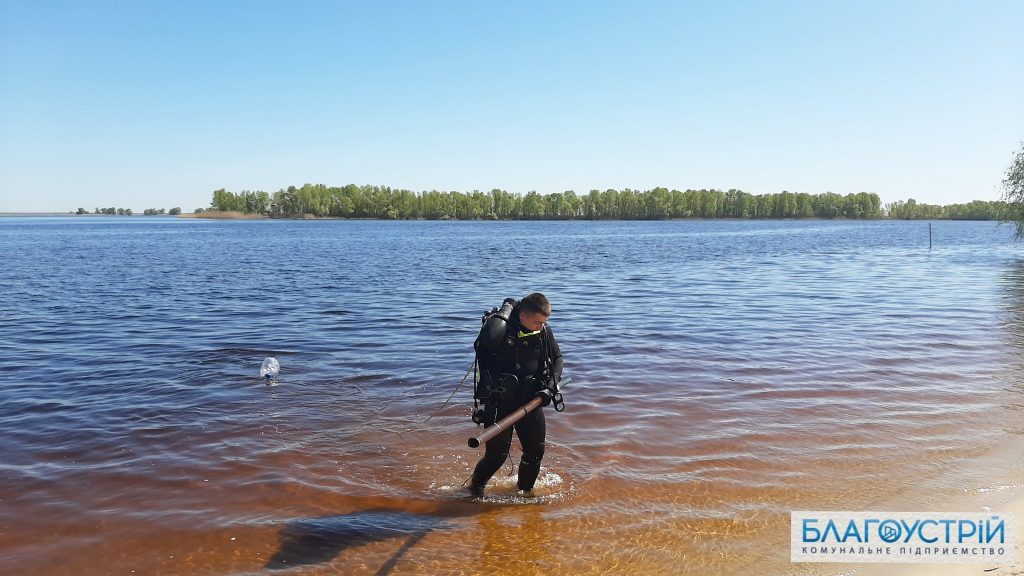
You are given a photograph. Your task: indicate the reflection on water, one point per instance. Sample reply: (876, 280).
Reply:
(724, 373)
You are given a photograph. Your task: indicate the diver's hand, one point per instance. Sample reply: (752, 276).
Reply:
(548, 392)
(545, 396)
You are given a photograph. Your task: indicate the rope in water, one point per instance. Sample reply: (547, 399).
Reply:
(443, 406)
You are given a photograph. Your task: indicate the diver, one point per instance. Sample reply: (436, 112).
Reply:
(518, 359)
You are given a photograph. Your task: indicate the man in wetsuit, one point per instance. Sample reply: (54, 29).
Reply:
(523, 363)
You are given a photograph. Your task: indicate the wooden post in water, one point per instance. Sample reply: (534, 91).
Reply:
(929, 235)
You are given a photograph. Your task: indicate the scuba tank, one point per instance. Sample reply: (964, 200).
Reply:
(494, 324)
(492, 332)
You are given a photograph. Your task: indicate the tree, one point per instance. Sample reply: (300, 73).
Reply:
(175, 211)
(658, 204)
(533, 206)
(1013, 191)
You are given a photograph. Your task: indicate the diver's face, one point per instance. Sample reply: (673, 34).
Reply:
(532, 321)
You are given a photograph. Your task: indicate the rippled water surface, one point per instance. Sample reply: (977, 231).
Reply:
(724, 373)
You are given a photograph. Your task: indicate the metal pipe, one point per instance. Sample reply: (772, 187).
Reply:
(504, 424)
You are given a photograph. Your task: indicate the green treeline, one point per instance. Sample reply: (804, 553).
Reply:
(381, 202)
(128, 211)
(107, 211)
(976, 210)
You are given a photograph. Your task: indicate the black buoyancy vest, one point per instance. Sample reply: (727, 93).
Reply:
(526, 357)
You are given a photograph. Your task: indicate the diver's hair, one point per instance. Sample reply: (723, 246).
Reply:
(536, 303)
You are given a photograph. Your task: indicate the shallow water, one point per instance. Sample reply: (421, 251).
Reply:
(724, 373)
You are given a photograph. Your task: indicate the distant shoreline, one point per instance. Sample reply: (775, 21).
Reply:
(13, 214)
(235, 215)
(66, 214)
(224, 215)
(213, 215)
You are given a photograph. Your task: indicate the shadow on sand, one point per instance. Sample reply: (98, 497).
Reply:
(321, 539)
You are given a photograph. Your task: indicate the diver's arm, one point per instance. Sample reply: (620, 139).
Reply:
(556, 356)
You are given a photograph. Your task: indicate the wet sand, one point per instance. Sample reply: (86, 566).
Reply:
(1001, 492)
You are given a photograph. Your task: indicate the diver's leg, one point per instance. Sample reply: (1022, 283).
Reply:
(495, 453)
(531, 431)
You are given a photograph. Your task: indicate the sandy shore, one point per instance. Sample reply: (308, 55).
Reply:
(1001, 496)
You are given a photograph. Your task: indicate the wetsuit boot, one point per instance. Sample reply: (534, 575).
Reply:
(531, 430)
(528, 472)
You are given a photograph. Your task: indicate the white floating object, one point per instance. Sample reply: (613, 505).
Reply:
(270, 368)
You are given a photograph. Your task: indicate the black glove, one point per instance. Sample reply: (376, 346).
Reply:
(548, 393)
(545, 396)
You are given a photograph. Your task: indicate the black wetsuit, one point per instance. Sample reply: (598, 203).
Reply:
(523, 356)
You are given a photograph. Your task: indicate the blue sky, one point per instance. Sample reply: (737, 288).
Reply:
(155, 104)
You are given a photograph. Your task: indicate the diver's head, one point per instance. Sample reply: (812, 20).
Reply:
(534, 311)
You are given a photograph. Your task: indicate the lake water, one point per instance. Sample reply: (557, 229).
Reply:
(725, 373)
